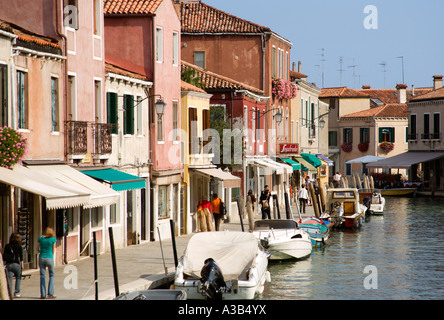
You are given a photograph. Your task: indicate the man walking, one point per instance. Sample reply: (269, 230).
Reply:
(265, 203)
(303, 197)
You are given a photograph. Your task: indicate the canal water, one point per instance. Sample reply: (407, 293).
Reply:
(397, 256)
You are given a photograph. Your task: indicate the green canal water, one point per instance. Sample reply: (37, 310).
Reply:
(397, 256)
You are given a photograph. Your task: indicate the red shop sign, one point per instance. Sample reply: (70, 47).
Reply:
(289, 148)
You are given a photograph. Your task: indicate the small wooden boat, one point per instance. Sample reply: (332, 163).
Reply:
(343, 208)
(373, 200)
(399, 192)
(283, 239)
(317, 229)
(222, 265)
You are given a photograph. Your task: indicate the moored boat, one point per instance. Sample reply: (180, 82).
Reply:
(317, 229)
(399, 192)
(222, 265)
(343, 208)
(373, 200)
(283, 239)
(157, 294)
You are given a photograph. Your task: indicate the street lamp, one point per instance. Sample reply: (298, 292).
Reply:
(277, 115)
(160, 107)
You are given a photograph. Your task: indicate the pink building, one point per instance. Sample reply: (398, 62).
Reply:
(144, 37)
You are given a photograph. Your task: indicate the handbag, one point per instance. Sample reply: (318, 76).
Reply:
(222, 208)
(265, 204)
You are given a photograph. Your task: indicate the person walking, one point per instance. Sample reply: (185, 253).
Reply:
(265, 203)
(251, 200)
(13, 257)
(46, 246)
(303, 197)
(216, 209)
(336, 180)
(204, 216)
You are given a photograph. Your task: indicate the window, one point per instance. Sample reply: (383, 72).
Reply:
(348, 135)
(176, 121)
(128, 114)
(54, 104)
(413, 133)
(139, 116)
(159, 44)
(175, 48)
(253, 126)
(22, 100)
(258, 129)
(332, 139)
(96, 217)
(98, 99)
(3, 95)
(426, 125)
(364, 135)
(71, 14)
(436, 125)
(111, 110)
(199, 59)
(72, 97)
(113, 213)
(386, 134)
(273, 62)
(192, 131)
(160, 137)
(97, 14)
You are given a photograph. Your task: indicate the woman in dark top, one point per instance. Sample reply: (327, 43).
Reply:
(13, 257)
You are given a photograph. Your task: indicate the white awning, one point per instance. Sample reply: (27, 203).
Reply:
(58, 195)
(101, 195)
(269, 165)
(229, 180)
(406, 160)
(287, 169)
(365, 159)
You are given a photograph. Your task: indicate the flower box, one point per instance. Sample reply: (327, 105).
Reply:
(363, 146)
(347, 147)
(13, 147)
(387, 146)
(283, 89)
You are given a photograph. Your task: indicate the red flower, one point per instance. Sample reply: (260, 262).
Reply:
(347, 147)
(363, 146)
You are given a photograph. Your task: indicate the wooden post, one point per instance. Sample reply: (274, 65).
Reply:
(4, 295)
(322, 194)
(313, 200)
(96, 280)
(113, 260)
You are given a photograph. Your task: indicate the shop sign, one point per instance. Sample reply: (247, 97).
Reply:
(289, 148)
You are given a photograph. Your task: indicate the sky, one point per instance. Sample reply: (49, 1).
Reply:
(369, 43)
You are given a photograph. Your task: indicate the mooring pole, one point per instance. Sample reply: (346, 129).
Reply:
(240, 215)
(173, 239)
(96, 282)
(113, 260)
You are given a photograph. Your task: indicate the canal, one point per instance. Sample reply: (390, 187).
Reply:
(396, 256)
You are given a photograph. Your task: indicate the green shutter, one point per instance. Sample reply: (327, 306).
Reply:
(129, 114)
(111, 110)
(392, 134)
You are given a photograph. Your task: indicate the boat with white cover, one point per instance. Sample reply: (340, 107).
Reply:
(224, 264)
(283, 239)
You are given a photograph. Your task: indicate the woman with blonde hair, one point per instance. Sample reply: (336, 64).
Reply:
(46, 247)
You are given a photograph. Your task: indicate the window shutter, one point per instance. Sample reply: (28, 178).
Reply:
(129, 114)
(111, 110)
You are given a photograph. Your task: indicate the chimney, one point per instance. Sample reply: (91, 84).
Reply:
(294, 66)
(300, 65)
(437, 81)
(366, 87)
(402, 93)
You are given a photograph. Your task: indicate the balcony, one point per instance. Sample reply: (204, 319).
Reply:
(431, 136)
(88, 137)
(412, 137)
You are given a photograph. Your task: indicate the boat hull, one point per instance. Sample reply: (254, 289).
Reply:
(290, 249)
(317, 229)
(401, 192)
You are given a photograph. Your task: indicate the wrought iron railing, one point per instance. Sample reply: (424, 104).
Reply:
(102, 138)
(79, 133)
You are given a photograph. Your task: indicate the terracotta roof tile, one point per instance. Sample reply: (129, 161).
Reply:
(432, 95)
(198, 17)
(391, 110)
(215, 81)
(120, 71)
(342, 92)
(297, 75)
(185, 86)
(131, 6)
(391, 95)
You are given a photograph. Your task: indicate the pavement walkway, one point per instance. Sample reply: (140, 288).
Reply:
(139, 267)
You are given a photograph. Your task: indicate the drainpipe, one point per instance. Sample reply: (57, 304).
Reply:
(13, 39)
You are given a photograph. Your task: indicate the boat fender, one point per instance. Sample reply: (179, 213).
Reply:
(268, 276)
(265, 243)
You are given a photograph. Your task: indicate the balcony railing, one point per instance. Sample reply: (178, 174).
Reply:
(82, 133)
(412, 136)
(431, 136)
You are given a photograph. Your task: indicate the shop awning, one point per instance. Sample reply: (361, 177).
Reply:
(365, 159)
(330, 163)
(287, 169)
(58, 195)
(312, 159)
(101, 195)
(306, 166)
(294, 164)
(229, 180)
(119, 181)
(406, 160)
(270, 166)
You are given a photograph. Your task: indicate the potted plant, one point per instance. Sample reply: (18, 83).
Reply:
(12, 147)
(347, 146)
(363, 146)
(283, 89)
(387, 146)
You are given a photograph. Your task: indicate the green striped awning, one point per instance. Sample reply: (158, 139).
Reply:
(294, 164)
(119, 181)
(312, 159)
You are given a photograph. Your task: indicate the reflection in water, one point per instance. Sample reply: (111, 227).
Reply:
(406, 246)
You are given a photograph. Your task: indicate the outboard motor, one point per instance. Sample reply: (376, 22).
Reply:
(213, 280)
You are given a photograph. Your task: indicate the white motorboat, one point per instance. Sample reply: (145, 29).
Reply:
(375, 200)
(222, 265)
(343, 208)
(283, 239)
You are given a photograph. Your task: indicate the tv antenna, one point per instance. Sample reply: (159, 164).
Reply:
(402, 60)
(323, 60)
(384, 69)
(341, 60)
(354, 74)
